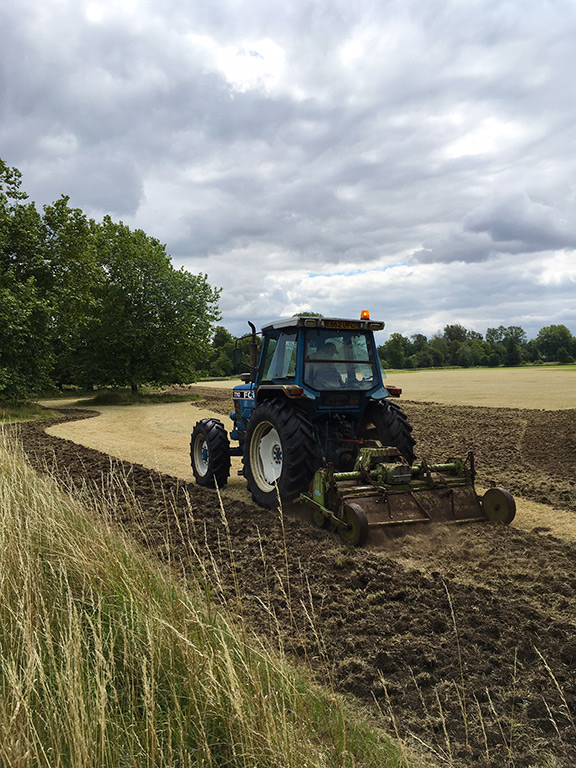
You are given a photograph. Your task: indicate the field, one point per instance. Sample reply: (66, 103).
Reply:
(463, 639)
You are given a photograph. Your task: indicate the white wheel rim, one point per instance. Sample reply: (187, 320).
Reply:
(201, 455)
(266, 456)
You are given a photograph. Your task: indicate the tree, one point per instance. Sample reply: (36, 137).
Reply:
(511, 351)
(25, 359)
(500, 334)
(439, 350)
(25, 350)
(464, 357)
(151, 323)
(563, 357)
(221, 359)
(551, 338)
(455, 332)
(395, 350)
(72, 283)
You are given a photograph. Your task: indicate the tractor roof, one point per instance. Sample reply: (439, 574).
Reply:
(336, 323)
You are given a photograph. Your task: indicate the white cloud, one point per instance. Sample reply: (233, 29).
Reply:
(559, 269)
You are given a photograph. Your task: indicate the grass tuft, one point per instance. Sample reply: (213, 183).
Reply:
(107, 660)
(24, 412)
(126, 397)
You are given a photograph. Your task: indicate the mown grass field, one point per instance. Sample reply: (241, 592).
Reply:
(548, 387)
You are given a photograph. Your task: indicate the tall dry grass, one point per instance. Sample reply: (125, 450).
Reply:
(106, 660)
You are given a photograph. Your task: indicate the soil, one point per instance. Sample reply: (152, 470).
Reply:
(463, 639)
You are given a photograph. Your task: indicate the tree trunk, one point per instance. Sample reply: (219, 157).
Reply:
(134, 389)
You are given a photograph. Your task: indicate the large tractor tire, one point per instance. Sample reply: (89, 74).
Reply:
(280, 453)
(384, 420)
(210, 453)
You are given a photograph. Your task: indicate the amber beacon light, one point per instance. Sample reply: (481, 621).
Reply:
(365, 314)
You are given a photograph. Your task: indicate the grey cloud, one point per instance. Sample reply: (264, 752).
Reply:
(348, 162)
(516, 222)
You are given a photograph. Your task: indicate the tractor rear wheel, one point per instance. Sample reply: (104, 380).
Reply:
(280, 453)
(210, 453)
(385, 421)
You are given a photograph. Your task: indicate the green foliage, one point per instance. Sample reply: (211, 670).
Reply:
(87, 303)
(221, 356)
(395, 350)
(458, 346)
(25, 314)
(151, 323)
(464, 357)
(74, 277)
(455, 332)
(25, 412)
(25, 354)
(512, 354)
(552, 338)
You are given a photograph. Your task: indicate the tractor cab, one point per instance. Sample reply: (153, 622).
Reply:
(319, 364)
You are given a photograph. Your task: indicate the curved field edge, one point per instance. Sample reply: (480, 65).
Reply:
(108, 659)
(532, 453)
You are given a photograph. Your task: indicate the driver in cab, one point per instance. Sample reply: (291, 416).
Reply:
(324, 372)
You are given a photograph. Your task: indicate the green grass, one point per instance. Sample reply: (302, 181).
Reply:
(107, 660)
(125, 397)
(24, 412)
(536, 366)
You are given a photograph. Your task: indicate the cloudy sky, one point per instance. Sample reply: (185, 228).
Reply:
(413, 157)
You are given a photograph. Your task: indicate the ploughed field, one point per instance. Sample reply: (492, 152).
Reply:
(463, 639)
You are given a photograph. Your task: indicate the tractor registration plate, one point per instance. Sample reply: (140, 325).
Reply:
(341, 324)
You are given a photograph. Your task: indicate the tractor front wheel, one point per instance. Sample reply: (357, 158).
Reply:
(280, 453)
(210, 453)
(386, 421)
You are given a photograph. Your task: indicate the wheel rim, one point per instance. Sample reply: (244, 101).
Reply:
(266, 457)
(201, 455)
(499, 505)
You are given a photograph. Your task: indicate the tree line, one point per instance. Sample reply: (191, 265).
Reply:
(458, 346)
(92, 303)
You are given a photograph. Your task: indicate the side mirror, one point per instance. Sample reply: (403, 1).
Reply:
(237, 357)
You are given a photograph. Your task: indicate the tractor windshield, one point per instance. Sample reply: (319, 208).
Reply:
(339, 359)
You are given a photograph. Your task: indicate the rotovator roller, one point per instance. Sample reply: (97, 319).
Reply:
(314, 421)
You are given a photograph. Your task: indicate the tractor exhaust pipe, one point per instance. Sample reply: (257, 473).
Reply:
(253, 352)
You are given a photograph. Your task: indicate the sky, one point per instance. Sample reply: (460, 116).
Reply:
(416, 158)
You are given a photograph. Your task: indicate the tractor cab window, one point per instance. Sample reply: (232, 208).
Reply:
(279, 358)
(339, 360)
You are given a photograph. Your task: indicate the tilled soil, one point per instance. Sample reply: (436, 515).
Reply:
(463, 639)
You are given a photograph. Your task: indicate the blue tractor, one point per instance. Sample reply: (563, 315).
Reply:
(314, 420)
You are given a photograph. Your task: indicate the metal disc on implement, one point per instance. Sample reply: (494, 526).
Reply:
(355, 531)
(499, 505)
